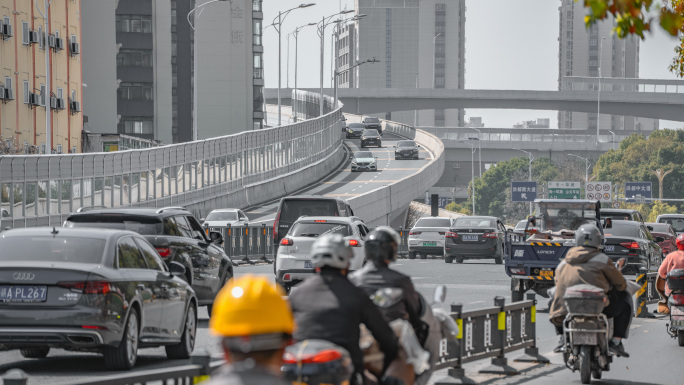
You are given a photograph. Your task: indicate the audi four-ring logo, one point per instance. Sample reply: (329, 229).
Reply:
(23, 276)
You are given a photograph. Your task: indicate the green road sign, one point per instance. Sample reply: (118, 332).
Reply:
(564, 190)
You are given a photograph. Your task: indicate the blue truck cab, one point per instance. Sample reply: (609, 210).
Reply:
(531, 257)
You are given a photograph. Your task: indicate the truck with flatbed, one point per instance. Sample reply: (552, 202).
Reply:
(531, 256)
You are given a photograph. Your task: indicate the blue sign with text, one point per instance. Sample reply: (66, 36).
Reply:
(523, 191)
(636, 190)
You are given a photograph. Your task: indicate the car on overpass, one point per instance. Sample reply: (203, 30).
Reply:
(427, 236)
(373, 123)
(293, 261)
(406, 149)
(364, 161)
(370, 137)
(92, 290)
(473, 237)
(355, 130)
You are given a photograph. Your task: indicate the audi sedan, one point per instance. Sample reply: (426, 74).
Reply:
(92, 290)
(633, 241)
(475, 237)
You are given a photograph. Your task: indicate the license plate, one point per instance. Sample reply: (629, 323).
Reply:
(308, 265)
(546, 273)
(677, 324)
(470, 237)
(429, 243)
(610, 248)
(675, 310)
(23, 293)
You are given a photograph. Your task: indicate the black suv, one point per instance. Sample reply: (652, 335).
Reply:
(176, 235)
(373, 123)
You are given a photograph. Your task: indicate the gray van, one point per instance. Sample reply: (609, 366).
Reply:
(676, 220)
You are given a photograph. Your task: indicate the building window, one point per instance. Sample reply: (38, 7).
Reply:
(136, 91)
(134, 58)
(43, 95)
(27, 92)
(136, 125)
(41, 39)
(256, 30)
(134, 23)
(8, 84)
(25, 40)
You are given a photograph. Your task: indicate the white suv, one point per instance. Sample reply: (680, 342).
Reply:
(293, 259)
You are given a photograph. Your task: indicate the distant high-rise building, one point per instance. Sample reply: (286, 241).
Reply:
(419, 44)
(139, 67)
(28, 87)
(581, 52)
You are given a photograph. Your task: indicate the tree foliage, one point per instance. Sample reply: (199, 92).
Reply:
(459, 208)
(634, 17)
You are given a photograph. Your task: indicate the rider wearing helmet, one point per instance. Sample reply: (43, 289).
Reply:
(255, 324)
(327, 306)
(586, 264)
(674, 260)
(381, 250)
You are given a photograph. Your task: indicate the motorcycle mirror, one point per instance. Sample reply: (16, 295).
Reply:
(440, 294)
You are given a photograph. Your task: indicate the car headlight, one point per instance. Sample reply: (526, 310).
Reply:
(372, 161)
(353, 162)
(350, 131)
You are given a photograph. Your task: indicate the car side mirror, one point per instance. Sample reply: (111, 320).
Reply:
(440, 294)
(608, 223)
(216, 237)
(202, 220)
(176, 269)
(650, 228)
(659, 239)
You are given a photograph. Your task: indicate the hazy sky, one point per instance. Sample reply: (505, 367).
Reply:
(510, 44)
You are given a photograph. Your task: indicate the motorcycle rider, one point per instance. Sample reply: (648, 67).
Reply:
(256, 325)
(327, 306)
(586, 264)
(674, 260)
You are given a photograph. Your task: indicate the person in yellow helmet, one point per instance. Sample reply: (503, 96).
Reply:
(256, 324)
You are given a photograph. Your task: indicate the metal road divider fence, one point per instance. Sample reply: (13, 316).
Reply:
(647, 293)
(40, 190)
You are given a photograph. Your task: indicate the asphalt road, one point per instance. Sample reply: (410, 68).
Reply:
(346, 184)
(656, 358)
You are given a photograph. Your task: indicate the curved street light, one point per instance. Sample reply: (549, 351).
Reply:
(472, 167)
(295, 33)
(325, 21)
(586, 169)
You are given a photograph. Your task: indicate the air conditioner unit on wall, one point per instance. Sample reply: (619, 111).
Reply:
(34, 99)
(75, 107)
(59, 104)
(53, 102)
(51, 41)
(74, 48)
(34, 37)
(59, 43)
(2, 93)
(9, 94)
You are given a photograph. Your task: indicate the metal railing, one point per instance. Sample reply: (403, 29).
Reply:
(580, 83)
(43, 189)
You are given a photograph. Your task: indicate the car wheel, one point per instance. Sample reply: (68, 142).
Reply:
(124, 356)
(35, 353)
(448, 259)
(459, 259)
(412, 255)
(187, 343)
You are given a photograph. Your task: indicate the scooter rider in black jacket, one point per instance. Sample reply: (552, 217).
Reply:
(381, 249)
(327, 306)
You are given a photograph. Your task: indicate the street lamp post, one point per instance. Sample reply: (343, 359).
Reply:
(598, 109)
(529, 155)
(321, 33)
(661, 174)
(296, 37)
(586, 168)
(479, 150)
(613, 141)
(472, 168)
(415, 112)
(48, 122)
(277, 26)
(195, 86)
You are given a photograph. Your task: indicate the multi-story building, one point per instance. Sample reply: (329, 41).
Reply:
(420, 44)
(40, 76)
(139, 68)
(346, 55)
(594, 52)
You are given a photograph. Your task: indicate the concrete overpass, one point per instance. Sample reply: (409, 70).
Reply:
(657, 99)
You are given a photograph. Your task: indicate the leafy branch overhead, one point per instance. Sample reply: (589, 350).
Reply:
(634, 17)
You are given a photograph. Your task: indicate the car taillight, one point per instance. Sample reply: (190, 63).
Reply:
(354, 243)
(677, 299)
(630, 245)
(93, 327)
(164, 252)
(414, 232)
(490, 235)
(441, 232)
(451, 234)
(89, 287)
(320, 357)
(275, 226)
(517, 271)
(286, 242)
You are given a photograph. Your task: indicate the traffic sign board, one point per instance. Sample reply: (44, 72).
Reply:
(564, 190)
(601, 191)
(638, 191)
(523, 191)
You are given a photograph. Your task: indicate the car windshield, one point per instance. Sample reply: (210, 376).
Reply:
(371, 132)
(521, 225)
(222, 216)
(357, 125)
(677, 223)
(406, 143)
(433, 222)
(141, 225)
(563, 216)
(364, 154)
(52, 249)
(295, 208)
(308, 229)
(472, 222)
(372, 120)
(623, 229)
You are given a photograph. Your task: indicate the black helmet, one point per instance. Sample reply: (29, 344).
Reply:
(381, 244)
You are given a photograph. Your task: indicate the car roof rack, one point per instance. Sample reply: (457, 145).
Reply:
(88, 208)
(170, 208)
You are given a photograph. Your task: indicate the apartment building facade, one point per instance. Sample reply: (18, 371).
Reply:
(40, 100)
(420, 44)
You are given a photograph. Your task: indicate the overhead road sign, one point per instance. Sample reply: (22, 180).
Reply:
(523, 191)
(638, 191)
(564, 190)
(600, 191)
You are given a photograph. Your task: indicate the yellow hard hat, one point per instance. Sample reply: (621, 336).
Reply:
(250, 305)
